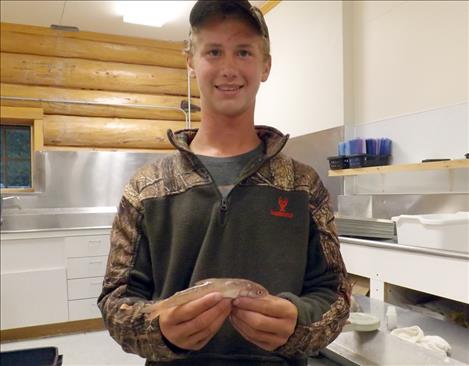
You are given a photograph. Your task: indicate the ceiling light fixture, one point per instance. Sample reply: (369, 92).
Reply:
(151, 13)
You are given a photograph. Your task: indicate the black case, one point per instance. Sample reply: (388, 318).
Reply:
(45, 356)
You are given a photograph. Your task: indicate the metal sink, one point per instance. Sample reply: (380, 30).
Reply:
(57, 218)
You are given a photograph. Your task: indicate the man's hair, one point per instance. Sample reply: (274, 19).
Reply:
(205, 10)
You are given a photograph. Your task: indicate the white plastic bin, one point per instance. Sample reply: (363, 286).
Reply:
(437, 231)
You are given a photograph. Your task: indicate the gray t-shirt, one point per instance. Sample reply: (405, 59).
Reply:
(226, 171)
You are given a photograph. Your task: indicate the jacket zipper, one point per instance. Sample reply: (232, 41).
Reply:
(223, 209)
(224, 200)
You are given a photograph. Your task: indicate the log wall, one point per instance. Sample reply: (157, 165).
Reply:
(86, 84)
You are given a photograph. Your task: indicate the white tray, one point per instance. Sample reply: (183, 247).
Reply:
(437, 231)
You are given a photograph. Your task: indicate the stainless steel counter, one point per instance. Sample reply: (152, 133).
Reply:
(382, 348)
(27, 220)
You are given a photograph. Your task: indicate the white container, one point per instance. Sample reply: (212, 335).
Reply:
(436, 231)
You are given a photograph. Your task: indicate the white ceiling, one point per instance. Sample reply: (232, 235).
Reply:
(92, 16)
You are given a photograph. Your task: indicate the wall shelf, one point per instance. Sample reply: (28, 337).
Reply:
(436, 165)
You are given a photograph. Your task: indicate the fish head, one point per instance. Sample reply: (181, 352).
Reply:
(251, 289)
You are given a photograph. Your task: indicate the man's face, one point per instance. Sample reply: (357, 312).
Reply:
(229, 64)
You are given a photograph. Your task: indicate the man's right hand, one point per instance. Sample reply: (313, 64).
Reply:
(192, 325)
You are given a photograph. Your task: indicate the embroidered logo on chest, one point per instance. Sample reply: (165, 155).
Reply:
(282, 209)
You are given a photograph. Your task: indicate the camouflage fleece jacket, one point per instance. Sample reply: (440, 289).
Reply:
(173, 228)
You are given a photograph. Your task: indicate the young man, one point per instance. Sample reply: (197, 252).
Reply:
(228, 203)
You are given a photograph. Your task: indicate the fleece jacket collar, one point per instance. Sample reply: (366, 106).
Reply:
(273, 140)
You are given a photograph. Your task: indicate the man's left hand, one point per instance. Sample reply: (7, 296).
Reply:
(267, 322)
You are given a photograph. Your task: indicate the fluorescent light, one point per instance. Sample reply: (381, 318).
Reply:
(151, 13)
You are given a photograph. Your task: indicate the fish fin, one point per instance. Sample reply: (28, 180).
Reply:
(153, 314)
(203, 282)
(148, 308)
(152, 310)
(216, 280)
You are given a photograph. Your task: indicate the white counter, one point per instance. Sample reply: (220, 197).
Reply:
(438, 272)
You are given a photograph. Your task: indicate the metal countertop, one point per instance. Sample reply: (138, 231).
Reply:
(55, 219)
(382, 348)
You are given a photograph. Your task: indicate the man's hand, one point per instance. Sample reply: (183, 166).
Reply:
(192, 325)
(267, 322)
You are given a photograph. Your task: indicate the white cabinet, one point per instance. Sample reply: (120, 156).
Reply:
(33, 282)
(33, 297)
(86, 265)
(83, 309)
(86, 246)
(84, 288)
(51, 276)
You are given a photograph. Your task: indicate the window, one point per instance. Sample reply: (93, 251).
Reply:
(15, 169)
(20, 138)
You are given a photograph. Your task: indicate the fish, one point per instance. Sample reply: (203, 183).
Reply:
(228, 287)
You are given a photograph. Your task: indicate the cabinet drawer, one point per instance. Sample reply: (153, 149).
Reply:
(86, 267)
(84, 288)
(83, 309)
(87, 246)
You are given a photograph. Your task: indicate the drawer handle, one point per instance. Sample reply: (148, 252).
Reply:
(94, 241)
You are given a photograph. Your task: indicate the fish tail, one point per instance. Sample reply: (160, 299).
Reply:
(153, 310)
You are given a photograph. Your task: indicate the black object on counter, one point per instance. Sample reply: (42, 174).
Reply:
(44, 356)
(433, 160)
(466, 155)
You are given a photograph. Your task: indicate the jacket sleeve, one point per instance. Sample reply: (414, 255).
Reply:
(123, 284)
(324, 304)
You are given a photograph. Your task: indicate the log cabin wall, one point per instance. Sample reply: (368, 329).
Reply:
(75, 68)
